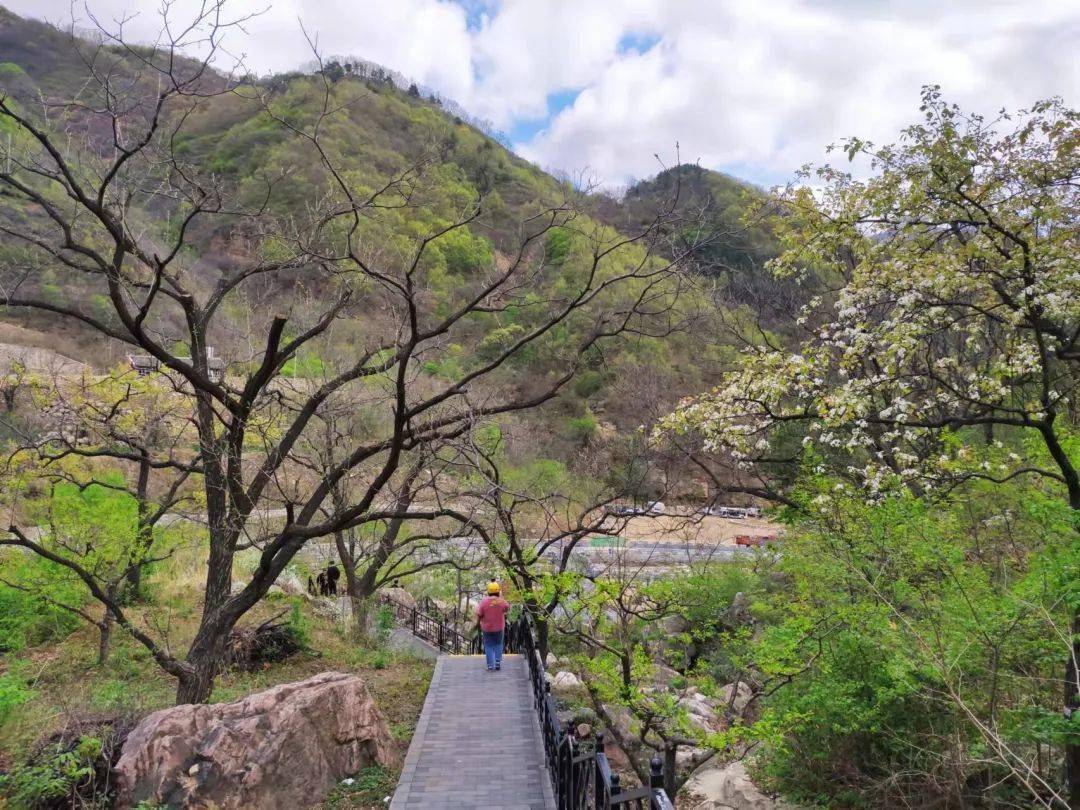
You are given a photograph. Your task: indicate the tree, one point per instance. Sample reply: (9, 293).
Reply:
(123, 212)
(112, 455)
(950, 352)
(533, 516)
(622, 621)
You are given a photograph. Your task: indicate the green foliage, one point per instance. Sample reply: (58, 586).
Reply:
(307, 365)
(902, 623)
(299, 626)
(559, 241)
(582, 428)
(53, 776)
(463, 253)
(13, 692)
(27, 619)
(588, 383)
(498, 341)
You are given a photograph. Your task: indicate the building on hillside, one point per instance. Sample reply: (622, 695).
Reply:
(144, 364)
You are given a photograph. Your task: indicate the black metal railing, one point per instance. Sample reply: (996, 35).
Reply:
(431, 627)
(581, 775)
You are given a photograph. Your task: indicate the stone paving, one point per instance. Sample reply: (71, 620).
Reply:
(477, 744)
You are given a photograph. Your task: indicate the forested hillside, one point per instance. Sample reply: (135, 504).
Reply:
(382, 134)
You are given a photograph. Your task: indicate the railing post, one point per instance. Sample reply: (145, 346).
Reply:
(616, 789)
(599, 788)
(656, 772)
(566, 769)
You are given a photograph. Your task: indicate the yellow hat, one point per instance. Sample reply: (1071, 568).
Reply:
(493, 588)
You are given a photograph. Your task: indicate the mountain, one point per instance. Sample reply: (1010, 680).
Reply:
(383, 130)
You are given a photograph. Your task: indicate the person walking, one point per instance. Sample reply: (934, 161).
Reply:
(333, 574)
(491, 614)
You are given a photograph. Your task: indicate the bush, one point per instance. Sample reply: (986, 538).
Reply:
(27, 620)
(588, 384)
(582, 428)
(464, 253)
(13, 693)
(70, 769)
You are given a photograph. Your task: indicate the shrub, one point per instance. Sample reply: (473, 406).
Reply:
(588, 384)
(69, 769)
(13, 693)
(26, 619)
(582, 428)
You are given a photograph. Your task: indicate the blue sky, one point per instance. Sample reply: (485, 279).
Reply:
(608, 88)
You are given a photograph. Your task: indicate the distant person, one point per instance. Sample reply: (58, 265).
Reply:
(333, 574)
(320, 582)
(491, 614)
(311, 586)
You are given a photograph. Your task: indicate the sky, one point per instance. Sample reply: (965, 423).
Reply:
(613, 90)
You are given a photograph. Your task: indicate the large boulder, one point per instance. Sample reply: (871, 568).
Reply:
(737, 696)
(701, 711)
(565, 682)
(401, 596)
(729, 788)
(282, 748)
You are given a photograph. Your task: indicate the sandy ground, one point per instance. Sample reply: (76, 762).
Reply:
(38, 360)
(679, 529)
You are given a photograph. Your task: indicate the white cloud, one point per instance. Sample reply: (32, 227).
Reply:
(756, 88)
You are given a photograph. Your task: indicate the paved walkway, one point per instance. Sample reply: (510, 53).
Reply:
(477, 745)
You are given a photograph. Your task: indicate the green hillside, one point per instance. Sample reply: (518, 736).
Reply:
(244, 142)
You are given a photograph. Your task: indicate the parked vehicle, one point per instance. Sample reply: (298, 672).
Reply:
(656, 508)
(754, 540)
(732, 511)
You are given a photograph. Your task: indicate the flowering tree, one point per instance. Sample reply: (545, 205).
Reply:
(950, 349)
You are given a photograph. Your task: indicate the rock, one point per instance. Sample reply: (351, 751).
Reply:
(730, 788)
(620, 718)
(665, 675)
(583, 715)
(701, 711)
(685, 755)
(583, 731)
(738, 612)
(564, 681)
(401, 595)
(675, 625)
(282, 748)
(290, 584)
(552, 661)
(743, 694)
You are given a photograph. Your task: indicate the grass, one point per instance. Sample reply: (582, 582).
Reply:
(368, 789)
(60, 681)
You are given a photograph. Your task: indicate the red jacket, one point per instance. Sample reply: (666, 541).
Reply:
(492, 614)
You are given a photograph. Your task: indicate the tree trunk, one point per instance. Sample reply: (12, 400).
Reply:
(144, 532)
(1072, 709)
(105, 629)
(203, 661)
(361, 607)
(542, 634)
(198, 685)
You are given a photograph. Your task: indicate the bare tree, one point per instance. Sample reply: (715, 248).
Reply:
(101, 173)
